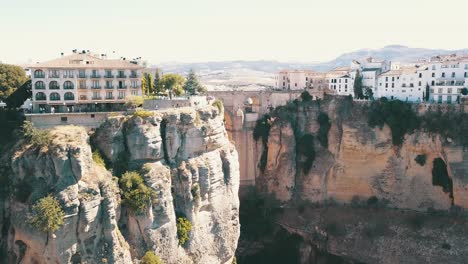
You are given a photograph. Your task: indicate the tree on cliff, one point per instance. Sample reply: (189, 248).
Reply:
(135, 194)
(358, 93)
(464, 91)
(193, 85)
(147, 84)
(426, 95)
(173, 83)
(47, 215)
(11, 78)
(157, 81)
(150, 258)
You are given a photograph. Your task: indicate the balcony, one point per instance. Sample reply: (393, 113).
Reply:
(97, 98)
(68, 76)
(450, 83)
(122, 87)
(83, 87)
(133, 76)
(54, 76)
(110, 97)
(54, 87)
(121, 76)
(39, 76)
(95, 76)
(96, 87)
(121, 97)
(109, 87)
(83, 97)
(39, 87)
(68, 87)
(109, 76)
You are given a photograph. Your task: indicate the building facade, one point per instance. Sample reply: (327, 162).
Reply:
(83, 82)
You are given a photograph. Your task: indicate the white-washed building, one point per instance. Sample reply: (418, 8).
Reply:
(300, 80)
(83, 82)
(340, 82)
(447, 76)
(405, 84)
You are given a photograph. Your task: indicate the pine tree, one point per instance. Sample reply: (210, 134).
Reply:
(157, 81)
(147, 84)
(192, 85)
(358, 93)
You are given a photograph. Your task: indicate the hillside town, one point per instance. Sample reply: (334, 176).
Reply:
(440, 79)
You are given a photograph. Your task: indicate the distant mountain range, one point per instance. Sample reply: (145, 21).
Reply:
(226, 75)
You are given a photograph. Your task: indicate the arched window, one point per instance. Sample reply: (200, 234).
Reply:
(39, 74)
(40, 96)
(39, 85)
(67, 85)
(54, 97)
(53, 85)
(69, 96)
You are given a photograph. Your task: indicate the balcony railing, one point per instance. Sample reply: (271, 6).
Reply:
(54, 76)
(121, 76)
(97, 98)
(109, 76)
(109, 87)
(83, 87)
(54, 87)
(54, 99)
(450, 83)
(39, 75)
(95, 76)
(83, 97)
(133, 76)
(122, 87)
(68, 87)
(69, 98)
(41, 99)
(110, 97)
(121, 97)
(96, 87)
(39, 87)
(83, 76)
(68, 76)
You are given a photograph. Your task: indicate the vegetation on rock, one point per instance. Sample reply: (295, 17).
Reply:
(306, 97)
(262, 131)
(150, 258)
(174, 83)
(135, 194)
(135, 101)
(47, 215)
(358, 89)
(325, 126)
(218, 104)
(147, 84)
(305, 147)
(11, 78)
(36, 137)
(192, 85)
(143, 113)
(184, 226)
(97, 158)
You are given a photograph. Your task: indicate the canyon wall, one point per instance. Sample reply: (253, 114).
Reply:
(184, 155)
(359, 161)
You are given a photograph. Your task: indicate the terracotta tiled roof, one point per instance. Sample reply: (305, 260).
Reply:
(86, 61)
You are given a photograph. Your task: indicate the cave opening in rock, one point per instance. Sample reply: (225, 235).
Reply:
(164, 140)
(440, 176)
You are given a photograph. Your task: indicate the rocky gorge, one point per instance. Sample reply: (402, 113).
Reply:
(183, 156)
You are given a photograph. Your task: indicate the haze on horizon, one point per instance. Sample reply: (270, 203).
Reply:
(216, 30)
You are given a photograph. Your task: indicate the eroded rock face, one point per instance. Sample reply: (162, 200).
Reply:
(184, 155)
(360, 162)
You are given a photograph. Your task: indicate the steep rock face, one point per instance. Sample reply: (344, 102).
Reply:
(188, 160)
(360, 162)
(184, 156)
(86, 192)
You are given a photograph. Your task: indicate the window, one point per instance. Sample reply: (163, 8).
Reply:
(68, 74)
(121, 94)
(449, 90)
(53, 85)
(439, 99)
(95, 85)
(96, 96)
(54, 96)
(109, 85)
(419, 83)
(441, 90)
(433, 74)
(134, 84)
(443, 75)
(121, 74)
(39, 85)
(386, 85)
(432, 83)
(67, 85)
(433, 67)
(393, 85)
(94, 74)
(393, 79)
(109, 95)
(307, 78)
(108, 74)
(386, 79)
(53, 74)
(39, 74)
(346, 87)
(295, 84)
(449, 99)
(420, 75)
(466, 74)
(63, 118)
(82, 84)
(453, 74)
(40, 96)
(133, 74)
(68, 96)
(134, 92)
(82, 74)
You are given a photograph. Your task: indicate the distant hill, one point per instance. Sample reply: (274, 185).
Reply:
(227, 75)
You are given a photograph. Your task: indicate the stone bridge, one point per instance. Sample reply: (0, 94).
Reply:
(241, 111)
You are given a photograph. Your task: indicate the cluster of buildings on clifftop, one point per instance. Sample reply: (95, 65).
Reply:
(442, 79)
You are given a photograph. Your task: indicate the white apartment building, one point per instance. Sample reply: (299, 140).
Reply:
(446, 78)
(83, 82)
(405, 84)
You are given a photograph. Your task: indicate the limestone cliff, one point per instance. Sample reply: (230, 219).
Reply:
(184, 155)
(359, 161)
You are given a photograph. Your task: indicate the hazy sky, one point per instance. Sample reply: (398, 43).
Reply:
(214, 30)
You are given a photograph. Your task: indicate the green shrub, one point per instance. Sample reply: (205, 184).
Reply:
(135, 194)
(262, 131)
(97, 158)
(306, 97)
(234, 260)
(143, 113)
(218, 104)
(306, 149)
(464, 91)
(47, 215)
(36, 137)
(150, 258)
(398, 115)
(421, 159)
(195, 191)
(183, 230)
(135, 101)
(325, 126)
